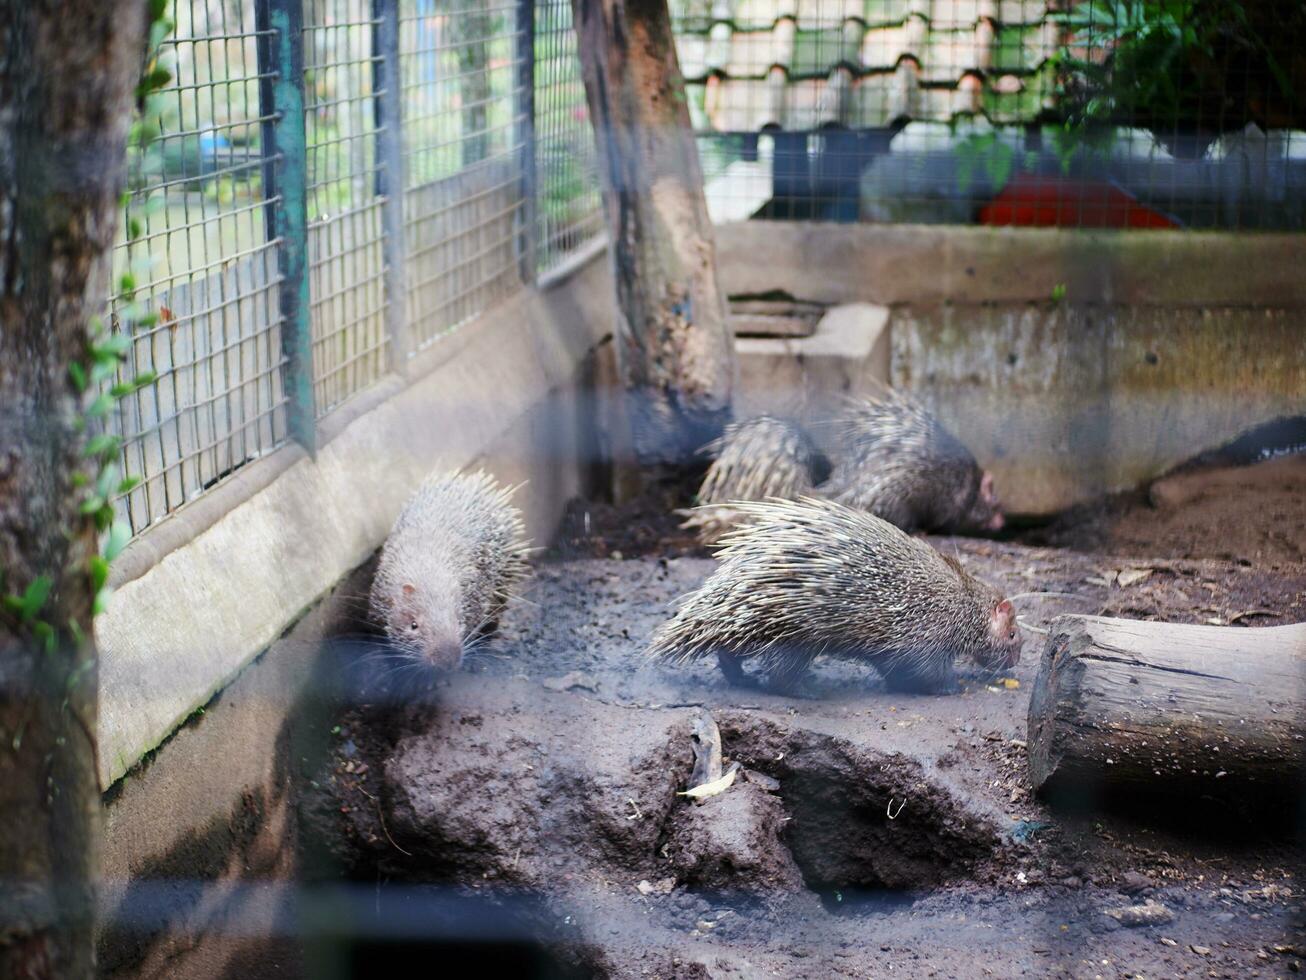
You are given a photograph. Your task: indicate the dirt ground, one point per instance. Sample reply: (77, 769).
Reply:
(1253, 514)
(868, 834)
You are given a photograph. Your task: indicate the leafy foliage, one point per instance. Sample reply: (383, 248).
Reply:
(1174, 64)
(91, 378)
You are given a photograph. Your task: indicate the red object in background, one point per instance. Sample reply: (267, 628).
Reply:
(1063, 202)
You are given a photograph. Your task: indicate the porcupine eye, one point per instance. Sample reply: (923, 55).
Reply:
(413, 626)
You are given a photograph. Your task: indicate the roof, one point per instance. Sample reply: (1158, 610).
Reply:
(805, 64)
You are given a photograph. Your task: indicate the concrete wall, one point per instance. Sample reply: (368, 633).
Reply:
(1165, 344)
(236, 593)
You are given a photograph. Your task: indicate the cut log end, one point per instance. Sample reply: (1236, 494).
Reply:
(1169, 716)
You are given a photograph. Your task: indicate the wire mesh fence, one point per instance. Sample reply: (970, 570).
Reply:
(412, 211)
(346, 265)
(1129, 113)
(568, 205)
(204, 265)
(459, 64)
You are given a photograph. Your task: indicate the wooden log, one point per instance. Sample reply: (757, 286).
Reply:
(1168, 715)
(675, 349)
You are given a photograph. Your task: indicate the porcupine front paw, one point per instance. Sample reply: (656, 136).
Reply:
(734, 670)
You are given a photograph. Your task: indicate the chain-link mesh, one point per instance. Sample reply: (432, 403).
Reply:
(203, 264)
(1130, 113)
(568, 202)
(459, 72)
(346, 267)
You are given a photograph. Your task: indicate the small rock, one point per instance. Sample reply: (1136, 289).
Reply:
(762, 779)
(1150, 913)
(1133, 882)
(1128, 576)
(1201, 950)
(662, 886)
(1034, 876)
(1168, 942)
(577, 679)
(705, 925)
(1223, 916)
(1071, 882)
(1024, 830)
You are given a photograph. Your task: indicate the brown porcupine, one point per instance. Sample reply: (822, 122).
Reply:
(448, 567)
(755, 459)
(899, 463)
(812, 577)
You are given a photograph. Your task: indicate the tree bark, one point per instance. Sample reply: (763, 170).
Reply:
(1169, 716)
(675, 347)
(68, 70)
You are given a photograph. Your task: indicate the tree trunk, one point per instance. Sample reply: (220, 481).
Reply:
(675, 347)
(1169, 715)
(67, 75)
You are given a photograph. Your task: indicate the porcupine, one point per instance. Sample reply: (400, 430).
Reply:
(754, 459)
(898, 462)
(813, 577)
(448, 567)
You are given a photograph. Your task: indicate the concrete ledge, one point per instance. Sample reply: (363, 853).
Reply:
(502, 392)
(800, 377)
(845, 263)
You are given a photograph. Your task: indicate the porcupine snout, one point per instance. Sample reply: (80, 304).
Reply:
(1004, 638)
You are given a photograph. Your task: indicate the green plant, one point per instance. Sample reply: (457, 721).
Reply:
(1201, 65)
(985, 150)
(93, 378)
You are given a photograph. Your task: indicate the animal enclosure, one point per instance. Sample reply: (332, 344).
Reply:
(372, 236)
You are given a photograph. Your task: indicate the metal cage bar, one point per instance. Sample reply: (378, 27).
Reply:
(390, 180)
(281, 97)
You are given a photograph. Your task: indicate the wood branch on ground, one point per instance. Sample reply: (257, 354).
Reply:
(675, 348)
(1168, 714)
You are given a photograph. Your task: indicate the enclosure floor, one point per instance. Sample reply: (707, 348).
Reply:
(1034, 908)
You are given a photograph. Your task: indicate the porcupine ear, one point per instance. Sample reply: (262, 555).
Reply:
(986, 485)
(408, 588)
(1004, 613)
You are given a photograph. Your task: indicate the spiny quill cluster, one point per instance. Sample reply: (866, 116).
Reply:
(449, 566)
(895, 460)
(807, 578)
(899, 463)
(755, 459)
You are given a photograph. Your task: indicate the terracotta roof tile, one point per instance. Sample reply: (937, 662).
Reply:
(801, 64)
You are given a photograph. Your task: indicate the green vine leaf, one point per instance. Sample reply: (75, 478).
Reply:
(119, 535)
(99, 569)
(33, 598)
(100, 407)
(101, 445)
(44, 632)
